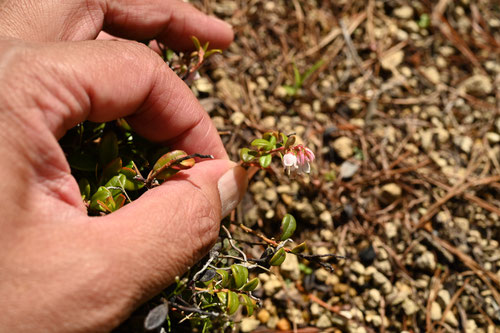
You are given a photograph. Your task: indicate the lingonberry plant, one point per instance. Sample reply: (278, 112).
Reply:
(114, 166)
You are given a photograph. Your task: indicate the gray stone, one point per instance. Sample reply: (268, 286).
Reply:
(272, 285)
(464, 143)
(443, 297)
(373, 298)
(451, 319)
(493, 137)
(324, 321)
(316, 309)
(391, 230)
(477, 85)
(343, 146)
(237, 118)
(204, 85)
(409, 307)
(404, 12)
(390, 192)
(384, 266)
(426, 261)
(326, 219)
(290, 267)
(358, 268)
(348, 169)
(462, 223)
(436, 312)
(392, 60)
(432, 74)
(249, 324)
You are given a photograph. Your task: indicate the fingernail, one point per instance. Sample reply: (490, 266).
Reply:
(232, 186)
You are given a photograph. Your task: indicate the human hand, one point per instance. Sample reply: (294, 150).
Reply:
(61, 270)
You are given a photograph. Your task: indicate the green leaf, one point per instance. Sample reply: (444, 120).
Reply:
(424, 21)
(300, 248)
(212, 51)
(297, 77)
(240, 275)
(84, 186)
(169, 54)
(291, 141)
(249, 305)
(225, 277)
(171, 157)
(131, 184)
(111, 169)
(290, 91)
(272, 140)
(288, 226)
(262, 143)
(222, 296)
(232, 302)
(82, 161)
(278, 257)
(265, 160)
(119, 201)
(196, 42)
(117, 181)
(284, 138)
(246, 155)
(108, 148)
(313, 69)
(250, 285)
(102, 200)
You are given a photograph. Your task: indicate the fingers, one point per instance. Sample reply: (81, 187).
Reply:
(106, 80)
(170, 21)
(171, 227)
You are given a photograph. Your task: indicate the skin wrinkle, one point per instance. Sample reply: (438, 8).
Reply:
(87, 273)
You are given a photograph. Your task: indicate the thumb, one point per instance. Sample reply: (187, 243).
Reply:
(169, 228)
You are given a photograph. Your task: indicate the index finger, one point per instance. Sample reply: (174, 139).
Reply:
(105, 80)
(172, 22)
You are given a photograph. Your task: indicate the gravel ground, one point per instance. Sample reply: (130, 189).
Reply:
(403, 114)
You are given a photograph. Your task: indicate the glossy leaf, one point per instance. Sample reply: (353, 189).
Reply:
(249, 304)
(102, 200)
(131, 184)
(240, 275)
(278, 258)
(156, 317)
(291, 141)
(170, 158)
(111, 169)
(288, 226)
(284, 138)
(232, 302)
(123, 124)
(196, 42)
(82, 161)
(265, 160)
(251, 285)
(246, 155)
(225, 277)
(262, 143)
(207, 275)
(300, 248)
(108, 148)
(84, 186)
(222, 296)
(272, 141)
(116, 183)
(119, 201)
